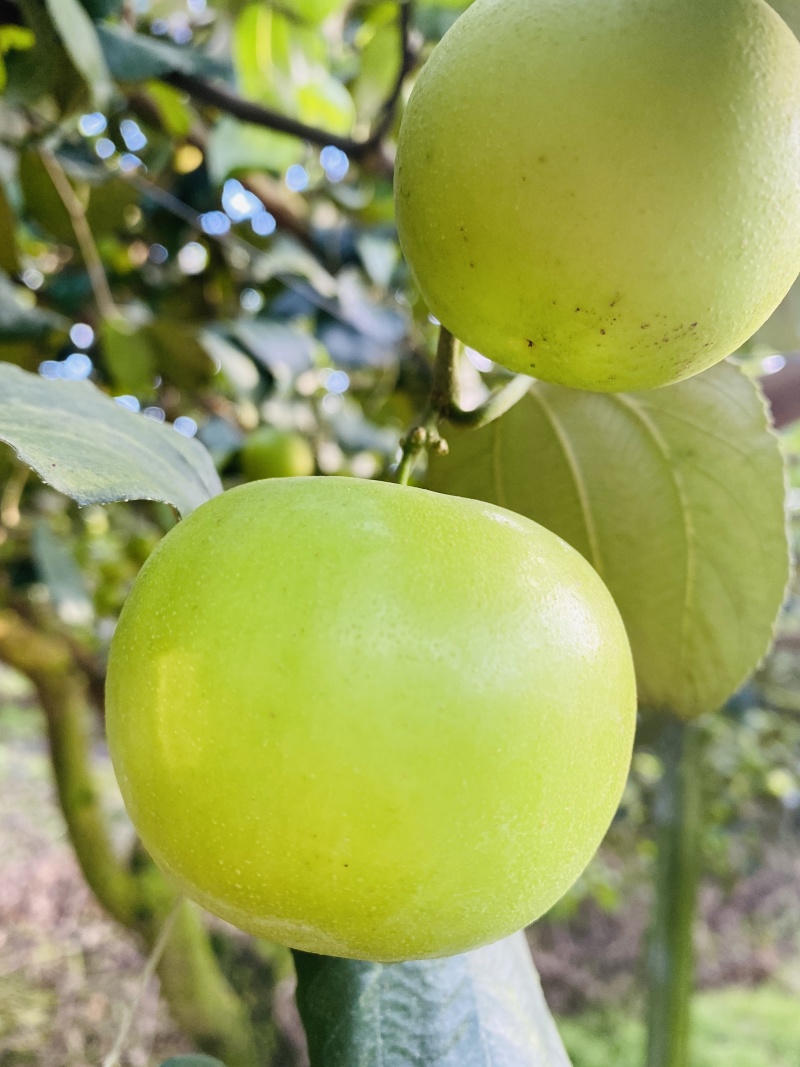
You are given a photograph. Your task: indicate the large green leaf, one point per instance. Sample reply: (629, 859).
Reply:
(480, 1009)
(78, 34)
(677, 498)
(133, 57)
(86, 446)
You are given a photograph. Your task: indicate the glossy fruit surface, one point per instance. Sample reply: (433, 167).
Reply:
(271, 453)
(605, 195)
(367, 720)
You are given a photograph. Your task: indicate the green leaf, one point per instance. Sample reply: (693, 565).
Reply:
(480, 1009)
(22, 322)
(128, 356)
(132, 57)
(235, 146)
(43, 205)
(46, 68)
(93, 450)
(61, 574)
(676, 496)
(380, 55)
(8, 235)
(78, 34)
(102, 9)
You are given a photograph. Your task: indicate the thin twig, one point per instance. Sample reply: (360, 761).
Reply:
(83, 235)
(12, 495)
(112, 1059)
(496, 405)
(443, 392)
(257, 115)
(444, 405)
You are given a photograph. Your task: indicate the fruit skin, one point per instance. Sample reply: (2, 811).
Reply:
(271, 453)
(367, 720)
(604, 198)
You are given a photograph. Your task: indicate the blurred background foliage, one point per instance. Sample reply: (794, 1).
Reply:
(165, 233)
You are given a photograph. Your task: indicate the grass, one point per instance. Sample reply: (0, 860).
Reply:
(733, 1028)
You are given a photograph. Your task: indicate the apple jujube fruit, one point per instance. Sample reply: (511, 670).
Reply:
(272, 453)
(605, 196)
(367, 720)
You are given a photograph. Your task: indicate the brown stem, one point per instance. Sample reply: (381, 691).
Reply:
(83, 235)
(228, 101)
(62, 693)
(444, 404)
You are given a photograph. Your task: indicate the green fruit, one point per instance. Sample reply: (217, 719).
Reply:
(606, 198)
(270, 453)
(367, 720)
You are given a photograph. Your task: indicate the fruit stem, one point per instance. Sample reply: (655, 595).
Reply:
(670, 957)
(444, 405)
(443, 390)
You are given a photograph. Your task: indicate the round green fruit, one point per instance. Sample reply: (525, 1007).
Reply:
(271, 453)
(606, 196)
(367, 720)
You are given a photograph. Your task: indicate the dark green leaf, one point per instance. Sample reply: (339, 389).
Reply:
(128, 356)
(480, 1009)
(132, 57)
(79, 37)
(43, 205)
(86, 446)
(45, 68)
(102, 9)
(8, 238)
(676, 496)
(21, 323)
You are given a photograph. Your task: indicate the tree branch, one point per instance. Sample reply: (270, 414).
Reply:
(83, 235)
(227, 100)
(61, 688)
(139, 898)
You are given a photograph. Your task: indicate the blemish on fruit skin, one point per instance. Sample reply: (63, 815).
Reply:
(645, 326)
(602, 331)
(529, 343)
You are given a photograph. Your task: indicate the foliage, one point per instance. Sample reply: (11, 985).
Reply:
(733, 1028)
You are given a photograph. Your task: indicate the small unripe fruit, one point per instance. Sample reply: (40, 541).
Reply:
(271, 453)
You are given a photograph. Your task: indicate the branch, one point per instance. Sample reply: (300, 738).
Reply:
(47, 662)
(289, 209)
(83, 235)
(496, 405)
(257, 115)
(198, 993)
